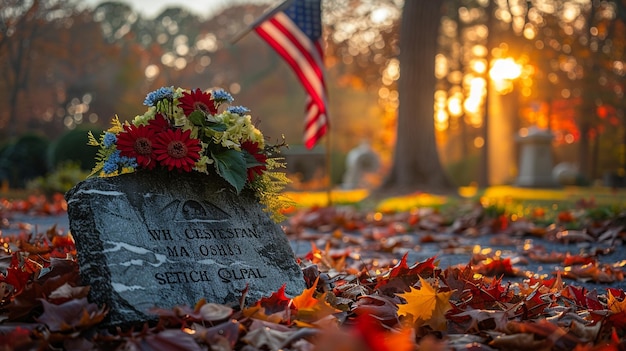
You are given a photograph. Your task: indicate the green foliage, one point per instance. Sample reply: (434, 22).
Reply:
(230, 165)
(103, 152)
(602, 213)
(494, 211)
(23, 160)
(60, 180)
(269, 190)
(464, 171)
(73, 147)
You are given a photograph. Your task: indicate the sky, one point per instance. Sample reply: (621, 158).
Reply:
(204, 8)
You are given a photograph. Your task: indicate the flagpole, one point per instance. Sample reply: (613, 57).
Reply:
(329, 189)
(264, 17)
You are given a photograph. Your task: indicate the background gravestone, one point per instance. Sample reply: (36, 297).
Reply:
(161, 239)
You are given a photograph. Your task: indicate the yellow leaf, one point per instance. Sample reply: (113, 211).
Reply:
(116, 125)
(426, 305)
(258, 312)
(614, 304)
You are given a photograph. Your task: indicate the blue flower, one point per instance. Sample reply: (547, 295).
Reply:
(110, 165)
(221, 95)
(240, 110)
(128, 162)
(109, 139)
(155, 96)
(115, 162)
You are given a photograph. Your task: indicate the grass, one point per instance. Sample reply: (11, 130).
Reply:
(515, 200)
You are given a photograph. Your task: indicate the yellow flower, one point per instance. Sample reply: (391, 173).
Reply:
(203, 162)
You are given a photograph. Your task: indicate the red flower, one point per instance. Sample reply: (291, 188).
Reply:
(254, 150)
(197, 100)
(137, 142)
(175, 149)
(159, 123)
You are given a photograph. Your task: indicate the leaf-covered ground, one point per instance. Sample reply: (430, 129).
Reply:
(470, 278)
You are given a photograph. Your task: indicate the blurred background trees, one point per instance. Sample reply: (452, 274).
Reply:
(64, 66)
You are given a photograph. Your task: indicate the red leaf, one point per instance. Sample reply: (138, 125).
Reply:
(534, 304)
(58, 273)
(72, 315)
(166, 340)
(372, 332)
(17, 339)
(17, 278)
(577, 259)
(497, 266)
(557, 336)
(401, 276)
(583, 298)
(565, 217)
(277, 302)
(458, 280)
(382, 307)
(486, 295)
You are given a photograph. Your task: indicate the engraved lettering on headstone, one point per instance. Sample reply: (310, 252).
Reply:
(160, 234)
(176, 251)
(182, 277)
(227, 275)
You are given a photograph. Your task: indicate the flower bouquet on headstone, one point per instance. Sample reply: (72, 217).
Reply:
(195, 131)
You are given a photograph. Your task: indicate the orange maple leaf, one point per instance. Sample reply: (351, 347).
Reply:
(426, 305)
(311, 309)
(614, 304)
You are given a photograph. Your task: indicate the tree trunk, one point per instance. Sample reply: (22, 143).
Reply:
(416, 164)
(17, 70)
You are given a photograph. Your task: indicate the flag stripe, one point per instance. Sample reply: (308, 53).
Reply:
(300, 60)
(301, 48)
(316, 124)
(306, 47)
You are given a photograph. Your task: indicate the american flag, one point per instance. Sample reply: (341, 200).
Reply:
(295, 33)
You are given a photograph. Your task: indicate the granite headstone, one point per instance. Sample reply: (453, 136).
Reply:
(161, 239)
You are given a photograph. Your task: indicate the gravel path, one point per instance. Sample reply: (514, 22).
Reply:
(459, 255)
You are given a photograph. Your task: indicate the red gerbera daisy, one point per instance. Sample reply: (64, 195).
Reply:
(197, 100)
(158, 123)
(175, 149)
(137, 142)
(254, 150)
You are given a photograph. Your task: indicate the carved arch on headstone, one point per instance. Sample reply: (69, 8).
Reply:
(195, 211)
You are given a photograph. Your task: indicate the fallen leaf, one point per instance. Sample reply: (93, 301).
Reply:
(480, 319)
(276, 302)
(519, 342)
(66, 292)
(166, 340)
(378, 338)
(213, 312)
(401, 276)
(497, 266)
(267, 337)
(381, 307)
(426, 305)
(308, 308)
(227, 331)
(72, 315)
(614, 304)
